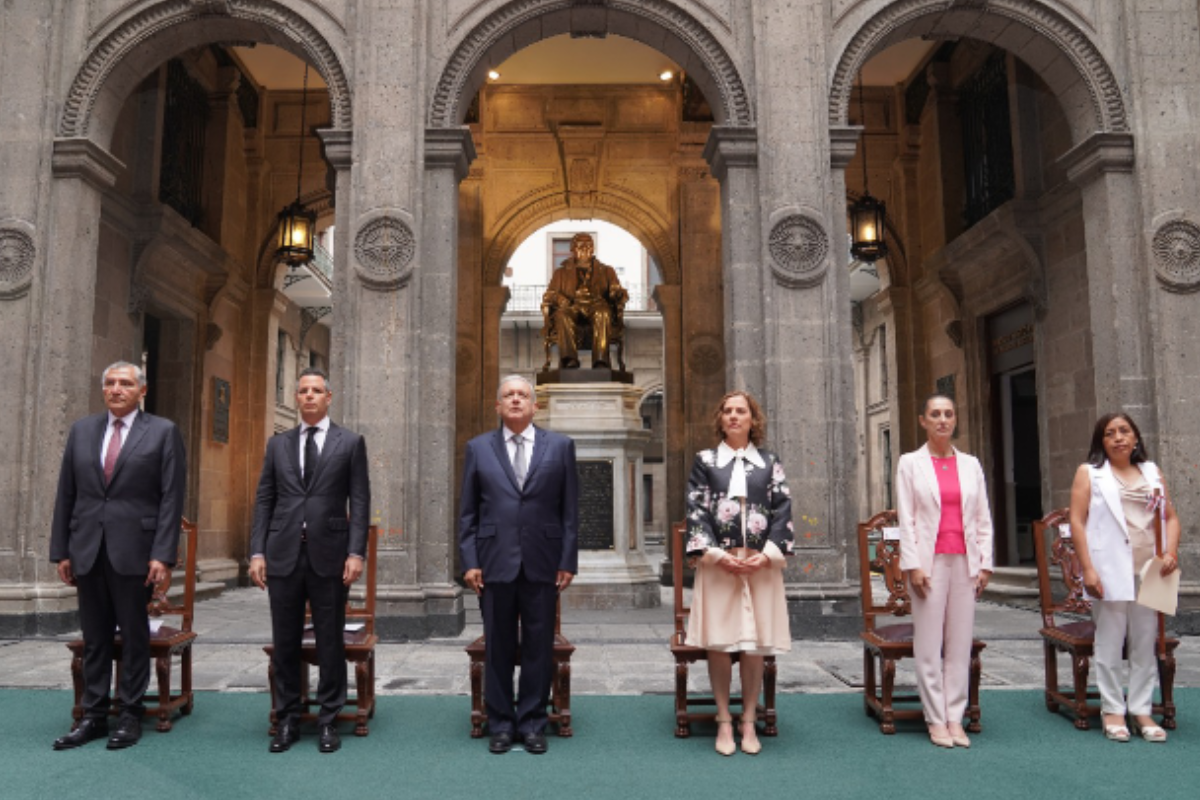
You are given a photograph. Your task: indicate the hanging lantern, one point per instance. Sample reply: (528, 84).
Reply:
(867, 221)
(296, 230)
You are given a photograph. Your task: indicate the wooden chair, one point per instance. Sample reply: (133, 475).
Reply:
(165, 643)
(360, 652)
(686, 655)
(884, 645)
(560, 684)
(1059, 569)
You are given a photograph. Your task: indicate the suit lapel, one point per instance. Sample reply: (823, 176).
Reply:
(292, 446)
(95, 443)
(333, 439)
(132, 439)
(539, 450)
(501, 450)
(931, 481)
(1112, 495)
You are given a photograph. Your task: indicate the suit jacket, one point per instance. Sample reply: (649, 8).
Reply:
(1108, 532)
(333, 512)
(502, 528)
(137, 514)
(604, 280)
(919, 508)
(713, 520)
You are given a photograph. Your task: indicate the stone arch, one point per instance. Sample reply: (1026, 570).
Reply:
(657, 23)
(1045, 39)
(641, 222)
(132, 48)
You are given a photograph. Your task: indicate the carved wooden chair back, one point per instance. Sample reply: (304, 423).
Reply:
(881, 532)
(160, 604)
(1055, 550)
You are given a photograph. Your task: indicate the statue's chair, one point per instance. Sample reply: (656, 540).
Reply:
(167, 642)
(1067, 626)
(360, 640)
(685, 655)
(884, 645)
(583, 330)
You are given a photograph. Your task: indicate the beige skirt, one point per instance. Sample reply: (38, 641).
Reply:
(732, 613)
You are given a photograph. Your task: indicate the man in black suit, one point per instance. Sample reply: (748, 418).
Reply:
(115, 535)
(518, 535)
(309, 539)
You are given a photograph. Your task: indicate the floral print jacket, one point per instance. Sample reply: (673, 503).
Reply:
(714, 519)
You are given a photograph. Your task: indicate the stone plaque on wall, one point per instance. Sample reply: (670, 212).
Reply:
(595, 504)
(220, 425)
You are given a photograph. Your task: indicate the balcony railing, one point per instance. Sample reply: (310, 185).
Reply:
(529, 298)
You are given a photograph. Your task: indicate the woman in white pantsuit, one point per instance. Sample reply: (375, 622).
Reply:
(1112, 521)
(946, 554)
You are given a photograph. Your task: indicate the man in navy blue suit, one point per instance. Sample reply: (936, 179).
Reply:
(518, 535)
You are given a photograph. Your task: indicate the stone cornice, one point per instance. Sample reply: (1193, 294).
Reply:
(449, 148)
(843, 144)
(339, 147)
(1100, 153)
(729, 146)
(84, 159)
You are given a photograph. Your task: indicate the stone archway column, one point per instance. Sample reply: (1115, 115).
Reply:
(732, 153)
(1102, 167)
(65, 292)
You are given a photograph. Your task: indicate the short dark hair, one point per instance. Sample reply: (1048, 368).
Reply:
(1097, 456)
(937, 396)
(320, 373)
(758, 420)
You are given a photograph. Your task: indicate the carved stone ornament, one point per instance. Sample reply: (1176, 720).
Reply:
(799, 249)
(383, 252)
(705, 358)
(1177, 255)
(17, 252)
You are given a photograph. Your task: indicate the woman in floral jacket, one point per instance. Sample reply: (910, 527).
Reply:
(739, 528)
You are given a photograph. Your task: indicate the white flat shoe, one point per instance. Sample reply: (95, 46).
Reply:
(1116, 733)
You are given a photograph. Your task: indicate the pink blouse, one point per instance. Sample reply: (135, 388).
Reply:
(950, 537)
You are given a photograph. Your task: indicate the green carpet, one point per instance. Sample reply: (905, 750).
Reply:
(623, 748)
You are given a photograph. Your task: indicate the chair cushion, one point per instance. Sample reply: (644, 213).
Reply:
(901, 632)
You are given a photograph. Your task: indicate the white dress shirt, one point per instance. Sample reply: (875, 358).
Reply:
(527, 436)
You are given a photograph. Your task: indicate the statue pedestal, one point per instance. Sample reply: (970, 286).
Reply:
(603, 420)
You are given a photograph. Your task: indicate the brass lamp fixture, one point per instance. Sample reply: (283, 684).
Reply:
(297, 226)
(868, 215)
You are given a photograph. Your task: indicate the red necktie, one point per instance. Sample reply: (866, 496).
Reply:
(114, 450)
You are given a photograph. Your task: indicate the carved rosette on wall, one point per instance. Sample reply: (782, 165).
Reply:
(464, 357)
(17, 252)
(1176, 248)
(799, 248)
(706, 356)
(384, 250)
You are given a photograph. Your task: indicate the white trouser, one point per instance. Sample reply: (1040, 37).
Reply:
(1115, 620)
(943, 628)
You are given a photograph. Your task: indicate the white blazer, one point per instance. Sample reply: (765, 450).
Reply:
(1107, 533)
(919, 507)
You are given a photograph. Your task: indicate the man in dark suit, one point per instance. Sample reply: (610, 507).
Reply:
(518, 535)
(309, 539)
(114, 536)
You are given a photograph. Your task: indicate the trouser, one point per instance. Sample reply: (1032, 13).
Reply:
(108, 599)
(327, 598)
(1116, 622)
(534, 605)
(943, 629)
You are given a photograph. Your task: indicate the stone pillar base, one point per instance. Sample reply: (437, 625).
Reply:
(825, 612)
(406, 613)
(607, 580)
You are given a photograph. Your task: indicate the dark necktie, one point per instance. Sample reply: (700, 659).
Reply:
(114, 450)
(311, 454)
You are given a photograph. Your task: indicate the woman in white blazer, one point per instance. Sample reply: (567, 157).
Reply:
(1112, 522)
(946, 555)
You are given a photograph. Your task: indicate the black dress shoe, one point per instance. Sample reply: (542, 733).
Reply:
(501, 742)
(89, 728)
(286, 734)
(127, 734)
(535, 743)
(330, 741)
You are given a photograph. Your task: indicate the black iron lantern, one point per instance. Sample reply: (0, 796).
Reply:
(867, 220)
(868, 216)
(297, 227)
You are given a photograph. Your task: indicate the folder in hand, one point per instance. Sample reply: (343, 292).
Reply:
(1157, 591)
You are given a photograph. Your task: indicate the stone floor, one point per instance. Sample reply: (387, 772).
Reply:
(621, 652)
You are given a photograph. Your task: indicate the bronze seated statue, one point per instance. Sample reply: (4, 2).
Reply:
(584, 309)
